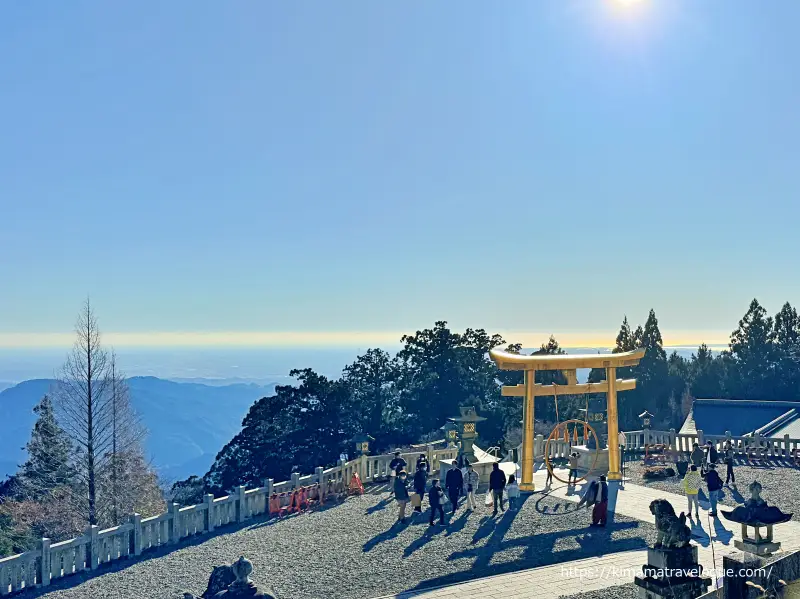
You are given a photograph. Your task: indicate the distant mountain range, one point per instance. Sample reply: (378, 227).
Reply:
(188, 422)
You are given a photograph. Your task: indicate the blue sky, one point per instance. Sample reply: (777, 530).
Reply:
(246, 168)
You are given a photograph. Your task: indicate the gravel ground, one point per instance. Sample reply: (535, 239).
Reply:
(625, 591)
(780, 482)
(356, 551)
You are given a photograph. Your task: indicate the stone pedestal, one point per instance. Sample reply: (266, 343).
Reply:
(757, 544)
(586, 458)
(673, 574)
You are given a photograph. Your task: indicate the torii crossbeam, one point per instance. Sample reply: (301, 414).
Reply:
(568, 364)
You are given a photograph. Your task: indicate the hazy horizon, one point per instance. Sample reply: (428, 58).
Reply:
(212, 364)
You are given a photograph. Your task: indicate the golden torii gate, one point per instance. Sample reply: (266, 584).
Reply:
(568, 364)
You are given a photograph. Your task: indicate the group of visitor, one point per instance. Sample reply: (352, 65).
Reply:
(704, 468)
(456, 485)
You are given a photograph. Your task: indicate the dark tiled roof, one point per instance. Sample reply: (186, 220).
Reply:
(739, 416)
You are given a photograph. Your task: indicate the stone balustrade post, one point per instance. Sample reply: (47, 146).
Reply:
(241, 503)
(269, 484)
(295, 480)
(44, 564)
(92, 546)
(319, 475)
(700, 437)
(787, 453)
(174, 523)
(208, 522)
(673, 437)
(136, 534)
(362, 467)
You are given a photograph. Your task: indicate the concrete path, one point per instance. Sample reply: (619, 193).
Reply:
(612, 569)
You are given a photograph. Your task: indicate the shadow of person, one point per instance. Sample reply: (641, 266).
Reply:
(423, 540)
(381, 505)
(699, 533)
(737, 496)
(722, 534)
(484, 529)
(384, 536)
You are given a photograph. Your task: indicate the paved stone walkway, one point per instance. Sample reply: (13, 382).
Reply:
(612, 569)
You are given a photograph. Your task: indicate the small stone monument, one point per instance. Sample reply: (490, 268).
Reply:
(672, 568)
(233, 582)
(756, 514)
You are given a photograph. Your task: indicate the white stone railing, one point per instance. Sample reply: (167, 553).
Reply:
(784, 447)
(49, 562)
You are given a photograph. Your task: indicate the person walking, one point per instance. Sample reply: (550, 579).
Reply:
(728, 457)
(396, 465)
(420, 482)
(600, 511)
(422, 461)
(497, 482)
(435, 496)
(712, 455)
(472, 481)
(590, 495)
(401, 495)
(454, 481)
(513, 493)
(573, 468)
(622, 440)
(714, 484)
(691, 484)
(696, 456)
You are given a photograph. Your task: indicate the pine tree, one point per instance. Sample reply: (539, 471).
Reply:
(47, 467)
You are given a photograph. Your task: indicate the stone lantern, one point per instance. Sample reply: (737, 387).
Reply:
(646, 418)
(362, 441)
(450, 434)
(467, 432)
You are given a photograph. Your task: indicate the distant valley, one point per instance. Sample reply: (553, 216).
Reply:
(188, 422)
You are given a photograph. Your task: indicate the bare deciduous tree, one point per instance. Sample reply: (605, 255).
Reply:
(95, 412)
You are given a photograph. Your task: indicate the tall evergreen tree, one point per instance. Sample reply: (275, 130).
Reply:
(752, 348)
(787, 353)
(48, 465)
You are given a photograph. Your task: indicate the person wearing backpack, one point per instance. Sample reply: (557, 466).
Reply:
(714, 483)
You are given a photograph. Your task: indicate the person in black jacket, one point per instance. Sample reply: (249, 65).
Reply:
(454, 481)
(435, 496)
(422, 462)
(497, 482)
(715, 485)
(420, 482)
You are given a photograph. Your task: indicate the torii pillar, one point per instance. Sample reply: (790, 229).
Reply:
(569, 365)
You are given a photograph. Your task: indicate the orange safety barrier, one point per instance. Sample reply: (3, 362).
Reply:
(356, 486)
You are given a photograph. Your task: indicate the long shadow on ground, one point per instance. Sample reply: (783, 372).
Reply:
(537, 550)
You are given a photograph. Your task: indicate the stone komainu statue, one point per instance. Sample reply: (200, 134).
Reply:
(672, 530)
(233, 582)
